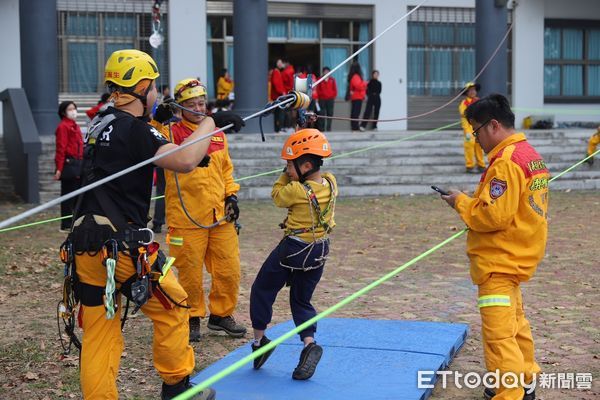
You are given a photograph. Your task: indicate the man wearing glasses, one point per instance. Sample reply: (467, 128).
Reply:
(506, 240)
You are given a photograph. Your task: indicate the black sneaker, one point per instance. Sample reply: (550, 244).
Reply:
(156, 228)
(226, 324)
(309, 358)
(195, 329)
(171, 391)
(259, 361)
(488, 394)
(480, 169)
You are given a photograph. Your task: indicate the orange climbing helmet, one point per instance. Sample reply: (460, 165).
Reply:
(306, 141)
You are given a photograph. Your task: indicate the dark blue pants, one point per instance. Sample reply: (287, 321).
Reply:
(272, 277)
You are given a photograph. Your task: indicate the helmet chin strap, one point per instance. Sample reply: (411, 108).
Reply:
(316, 163)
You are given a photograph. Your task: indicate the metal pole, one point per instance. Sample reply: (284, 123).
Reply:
(490, 26)
(250, 53)
(39, 61)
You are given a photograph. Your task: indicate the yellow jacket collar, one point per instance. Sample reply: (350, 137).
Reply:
(189, 125)
(514, 138)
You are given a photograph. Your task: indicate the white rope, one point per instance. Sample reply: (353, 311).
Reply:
(58, 200)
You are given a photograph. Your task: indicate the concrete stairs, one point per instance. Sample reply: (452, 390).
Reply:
(7, 189)
(407, 167)
(395, 168)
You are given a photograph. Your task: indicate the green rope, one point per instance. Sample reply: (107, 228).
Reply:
(237, 365)
(109, 290)
(234, 367)
(274, 171)
(574, 166)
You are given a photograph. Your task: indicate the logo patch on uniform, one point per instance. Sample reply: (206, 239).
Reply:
(497, 188)
(156, 133)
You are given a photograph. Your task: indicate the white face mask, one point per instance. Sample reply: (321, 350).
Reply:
(72, 114)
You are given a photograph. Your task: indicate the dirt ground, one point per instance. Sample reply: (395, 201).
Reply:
(373, 237)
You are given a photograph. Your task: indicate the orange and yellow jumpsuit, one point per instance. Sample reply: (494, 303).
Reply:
(102, 341)
(203, 192)
(507, 218)
(473, 150)
(593, 143)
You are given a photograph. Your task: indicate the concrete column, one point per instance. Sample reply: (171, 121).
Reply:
(187, 40)
(490, 27)
(250, 50)
(390, 58)
(39, 61)
(10, 68)
(528, 57)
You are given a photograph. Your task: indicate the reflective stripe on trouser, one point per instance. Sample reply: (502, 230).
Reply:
(506, 334)
(593, 143)
(102, 340)
(473, 152)
(218, 248)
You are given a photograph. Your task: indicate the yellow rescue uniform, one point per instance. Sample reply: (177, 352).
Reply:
(473, 150)
(203, 192)
(506, 241)
(593, 143)
(102, 343)
(224, 87)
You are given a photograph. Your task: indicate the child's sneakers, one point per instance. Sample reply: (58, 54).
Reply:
(259, 361)
(309, 358)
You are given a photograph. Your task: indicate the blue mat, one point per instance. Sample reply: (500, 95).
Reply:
(362, 359)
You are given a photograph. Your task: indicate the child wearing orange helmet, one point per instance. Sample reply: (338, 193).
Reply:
(299, 258)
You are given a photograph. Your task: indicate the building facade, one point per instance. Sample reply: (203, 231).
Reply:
(553, 50)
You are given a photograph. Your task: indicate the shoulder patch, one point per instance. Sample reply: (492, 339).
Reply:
(156, 133)
(497, 188)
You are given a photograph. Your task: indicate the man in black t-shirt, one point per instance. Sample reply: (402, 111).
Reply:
(116, 213)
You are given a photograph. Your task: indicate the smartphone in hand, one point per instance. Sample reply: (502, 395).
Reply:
(440, 191)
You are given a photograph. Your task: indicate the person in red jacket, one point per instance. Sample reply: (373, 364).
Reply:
(91, 113)
(327, 94)
(288, 84)
(277, 89)
(69, 150)
(358, 91)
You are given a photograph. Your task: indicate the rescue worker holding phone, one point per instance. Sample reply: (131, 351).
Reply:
(507, 220)
(202, 208)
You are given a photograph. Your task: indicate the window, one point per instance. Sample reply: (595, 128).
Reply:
(304, 41)
(441, 57)
(572, 61)
(86, 40)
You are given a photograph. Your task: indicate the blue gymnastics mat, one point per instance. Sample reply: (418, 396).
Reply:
(362, 359)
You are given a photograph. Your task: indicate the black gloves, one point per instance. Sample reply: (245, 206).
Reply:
(223, 118)
(232, 210)
(163, 112)
(205, 161)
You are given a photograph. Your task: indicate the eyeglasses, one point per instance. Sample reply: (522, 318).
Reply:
(476, 131)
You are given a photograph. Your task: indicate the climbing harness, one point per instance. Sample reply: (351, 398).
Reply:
(226, 217)
(315, 210)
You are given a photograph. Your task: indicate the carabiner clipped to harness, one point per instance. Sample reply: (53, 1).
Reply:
(66, 307)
